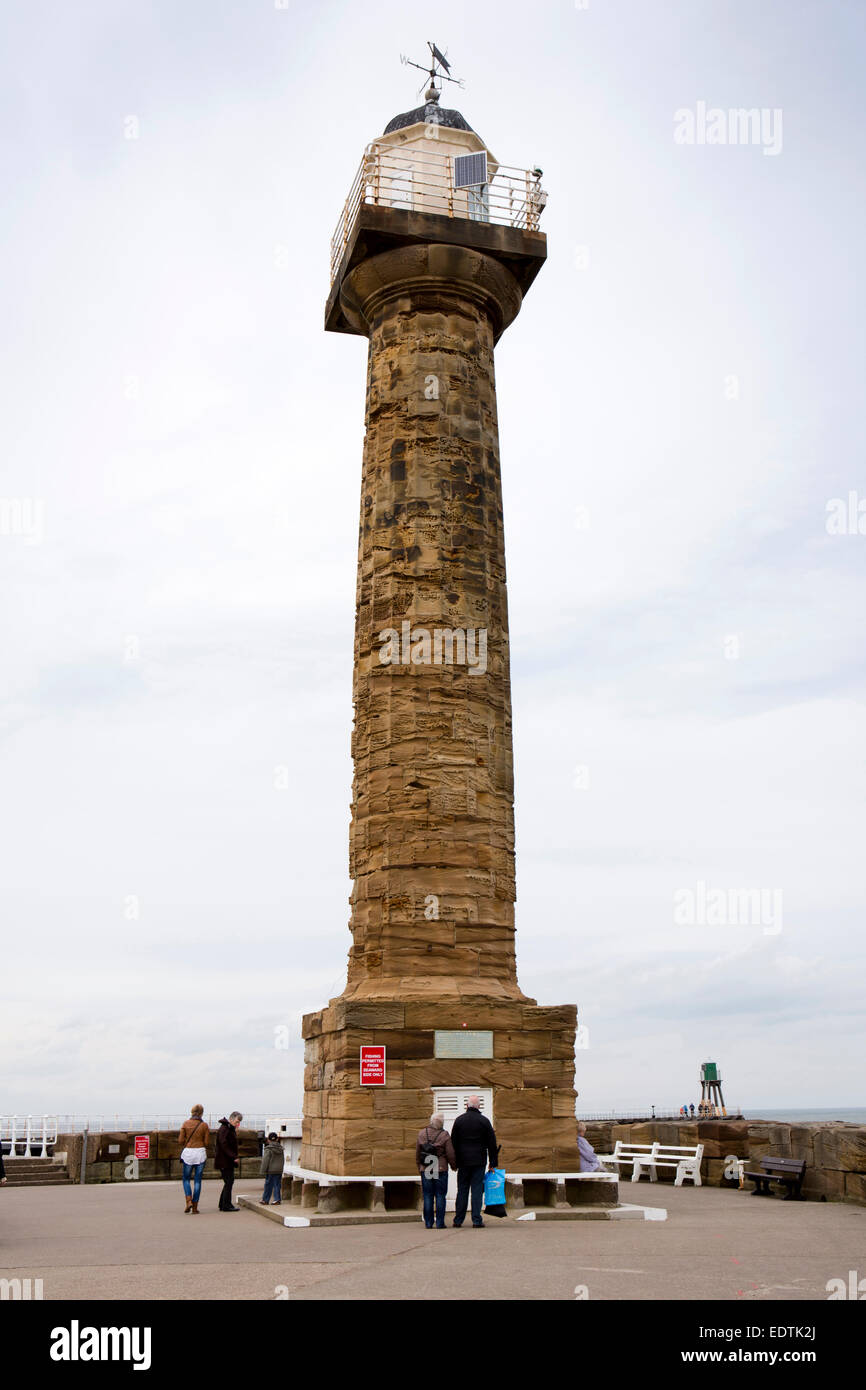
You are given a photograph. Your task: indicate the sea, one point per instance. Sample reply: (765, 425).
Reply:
(855, 1115)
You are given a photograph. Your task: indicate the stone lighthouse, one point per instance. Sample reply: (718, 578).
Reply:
(434, 251)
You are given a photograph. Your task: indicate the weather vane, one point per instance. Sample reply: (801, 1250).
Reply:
(439, 67)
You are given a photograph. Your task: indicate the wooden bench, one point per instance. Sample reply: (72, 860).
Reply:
(650, 1157)
(787, 1171)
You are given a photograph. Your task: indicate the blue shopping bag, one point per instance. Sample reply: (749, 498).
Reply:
(494, 1190)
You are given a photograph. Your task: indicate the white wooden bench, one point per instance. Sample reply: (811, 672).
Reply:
(648, 1158)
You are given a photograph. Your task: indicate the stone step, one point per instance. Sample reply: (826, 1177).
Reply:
(59, 1179)
(34, 1172)
(309, 1216)
(21, 1163)
(33, 1164)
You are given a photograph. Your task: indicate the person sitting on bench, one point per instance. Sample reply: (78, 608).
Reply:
(588, 1160)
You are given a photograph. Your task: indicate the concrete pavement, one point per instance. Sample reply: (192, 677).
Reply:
(131, 1240)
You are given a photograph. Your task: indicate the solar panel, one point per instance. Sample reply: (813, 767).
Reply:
(470, 170)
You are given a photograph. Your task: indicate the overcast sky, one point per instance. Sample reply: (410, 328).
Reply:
(680, 399)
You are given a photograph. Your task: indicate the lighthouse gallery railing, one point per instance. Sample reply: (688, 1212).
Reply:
(423, 181)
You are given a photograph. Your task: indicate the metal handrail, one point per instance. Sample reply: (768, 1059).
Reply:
(107, 1124)
(421, 180)
(643, 1117)
(43, 1133)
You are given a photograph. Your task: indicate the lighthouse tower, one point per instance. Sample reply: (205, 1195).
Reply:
(436, 247)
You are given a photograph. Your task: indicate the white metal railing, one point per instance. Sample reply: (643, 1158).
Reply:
(122, 1124)
(22, 1130)
(639, 1116)
(421, 180)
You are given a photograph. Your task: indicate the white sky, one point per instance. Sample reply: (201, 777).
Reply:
(184, 627)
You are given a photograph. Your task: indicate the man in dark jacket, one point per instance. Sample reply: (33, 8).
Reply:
(474, 1142)
(226, 1156)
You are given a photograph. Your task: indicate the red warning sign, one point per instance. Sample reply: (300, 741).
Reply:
(372, 1066)
(142, 1146)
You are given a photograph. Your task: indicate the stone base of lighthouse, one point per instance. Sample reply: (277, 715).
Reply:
(350, 1129)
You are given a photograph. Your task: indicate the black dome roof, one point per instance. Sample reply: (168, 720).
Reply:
(432, 113)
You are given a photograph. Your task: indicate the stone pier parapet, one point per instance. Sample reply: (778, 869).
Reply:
(835, 1152)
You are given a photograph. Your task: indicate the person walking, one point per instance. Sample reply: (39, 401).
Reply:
(434, 1152)
(474, 1141)
(273, 1163)
(193, 1138)
(226, 1156)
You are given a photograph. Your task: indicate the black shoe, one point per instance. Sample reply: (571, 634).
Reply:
(231, 1208)
(457, 1224)
(478, 1225)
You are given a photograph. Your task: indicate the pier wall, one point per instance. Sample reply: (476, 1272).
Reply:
(107, 1155)
(835, 1152)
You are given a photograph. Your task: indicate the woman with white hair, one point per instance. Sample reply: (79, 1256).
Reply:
(433, 1154)
(589, 1162)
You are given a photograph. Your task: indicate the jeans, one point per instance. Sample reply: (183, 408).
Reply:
(192, 1170)
(435, 1189)
(273, 1184)
(470, 1178)
(228, 1177)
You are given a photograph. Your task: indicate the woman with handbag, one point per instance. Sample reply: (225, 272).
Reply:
(193, 1138)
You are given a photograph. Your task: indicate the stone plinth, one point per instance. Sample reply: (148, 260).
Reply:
(359, 1130)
